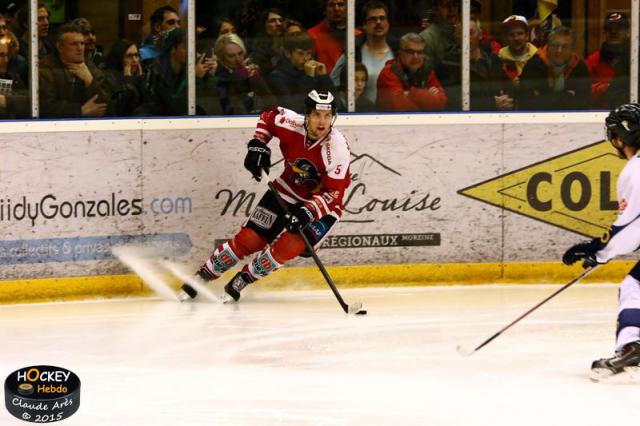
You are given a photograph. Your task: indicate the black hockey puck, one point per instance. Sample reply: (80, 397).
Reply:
(363, 312)
(42, 394)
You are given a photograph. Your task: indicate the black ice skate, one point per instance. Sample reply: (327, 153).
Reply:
(627, 360)
(237, 283)
(188, 292)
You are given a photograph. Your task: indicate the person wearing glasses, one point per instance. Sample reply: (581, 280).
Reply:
(556, 78)
(163, 19)
(407, 83)
(373, 48)
(123, 72)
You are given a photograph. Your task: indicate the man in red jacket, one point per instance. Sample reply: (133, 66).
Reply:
(406, 83)
(329, 36)
(602, 62)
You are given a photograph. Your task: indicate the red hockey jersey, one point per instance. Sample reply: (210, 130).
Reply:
(315, 172)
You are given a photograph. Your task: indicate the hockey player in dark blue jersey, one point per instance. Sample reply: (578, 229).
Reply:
(623, 132)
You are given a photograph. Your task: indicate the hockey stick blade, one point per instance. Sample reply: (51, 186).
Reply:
(356, 309)
(142, 267)
(185, 277)
(464, 350)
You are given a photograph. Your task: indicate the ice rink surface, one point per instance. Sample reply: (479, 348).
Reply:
(294, 358)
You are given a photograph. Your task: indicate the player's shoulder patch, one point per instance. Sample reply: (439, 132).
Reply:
(338, 140)
(290, 120)
(335, 149)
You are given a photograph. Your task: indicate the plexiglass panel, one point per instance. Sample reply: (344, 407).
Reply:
(114, 59)
(129, 58)
(252, 56)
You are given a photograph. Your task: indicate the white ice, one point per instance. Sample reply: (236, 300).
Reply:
(294, 358)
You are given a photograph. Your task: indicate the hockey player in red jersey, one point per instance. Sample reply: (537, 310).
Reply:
(623, 131)
(315, 176)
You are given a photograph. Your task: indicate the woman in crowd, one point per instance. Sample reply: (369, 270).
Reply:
(266, 49)
(224, 26)
(240, 88)
(291, 26)
(123, 72)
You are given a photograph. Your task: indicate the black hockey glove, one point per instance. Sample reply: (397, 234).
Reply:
(585, 251)
(258, 158)
(298, 218)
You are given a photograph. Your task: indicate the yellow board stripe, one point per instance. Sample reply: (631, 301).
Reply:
(307, 278)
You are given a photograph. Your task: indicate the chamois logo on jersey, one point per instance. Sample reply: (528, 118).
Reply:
(306, 173)
(573, 191)
(42, 393)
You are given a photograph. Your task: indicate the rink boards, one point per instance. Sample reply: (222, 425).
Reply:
(433, 199)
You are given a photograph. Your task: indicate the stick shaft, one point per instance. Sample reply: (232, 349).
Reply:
(554, 294)
(310, 248)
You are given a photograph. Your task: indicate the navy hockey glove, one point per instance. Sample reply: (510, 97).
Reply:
(298, 218)
(258, 157)
(585, 251)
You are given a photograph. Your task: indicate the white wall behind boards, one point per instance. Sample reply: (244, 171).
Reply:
(67, 196)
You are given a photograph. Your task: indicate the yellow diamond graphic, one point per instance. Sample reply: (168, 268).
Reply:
(574, 191)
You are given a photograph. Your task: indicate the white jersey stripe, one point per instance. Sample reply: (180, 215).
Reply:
(323, 203)
(318, 211)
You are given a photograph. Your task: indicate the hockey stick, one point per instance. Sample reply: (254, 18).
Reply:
(465, 351)
(354, 308)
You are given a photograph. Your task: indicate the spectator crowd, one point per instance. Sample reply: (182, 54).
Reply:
(420, 70)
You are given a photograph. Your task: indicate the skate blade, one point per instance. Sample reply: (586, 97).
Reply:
(604, 375)
(633, 373)
(199, 285)
(599, 375)
(183, 296)
(226, 299)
